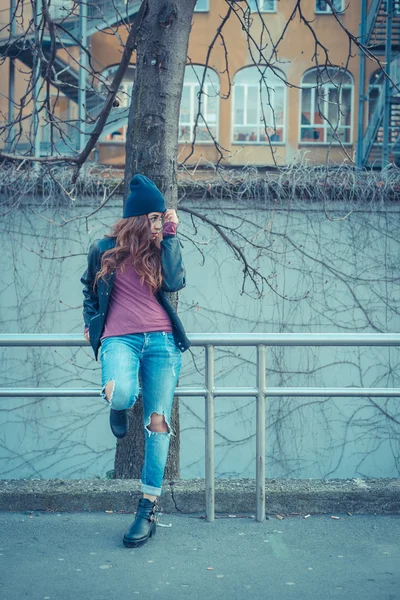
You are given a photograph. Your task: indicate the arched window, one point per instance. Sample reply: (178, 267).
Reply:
(207, 124)
(258, 105)
(326, 106)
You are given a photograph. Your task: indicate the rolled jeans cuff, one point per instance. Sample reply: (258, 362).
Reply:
(152, 491)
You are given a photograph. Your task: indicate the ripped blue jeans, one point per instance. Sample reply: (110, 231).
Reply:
(159, 360)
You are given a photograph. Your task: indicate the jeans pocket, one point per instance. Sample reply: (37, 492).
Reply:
(171, 340)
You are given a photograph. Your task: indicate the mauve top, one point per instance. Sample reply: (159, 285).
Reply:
(132, 307)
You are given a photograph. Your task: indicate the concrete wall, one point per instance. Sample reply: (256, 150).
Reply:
(328, 275)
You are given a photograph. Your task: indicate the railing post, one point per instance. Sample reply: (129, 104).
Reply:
(210, 491)
(83, 59)
(360, 157)
(387, 84)
(260, 433)
(36, 87)
(11, 77)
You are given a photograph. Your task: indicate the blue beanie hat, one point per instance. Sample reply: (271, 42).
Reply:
(144, 198)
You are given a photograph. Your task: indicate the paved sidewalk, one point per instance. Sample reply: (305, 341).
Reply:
(80, 556)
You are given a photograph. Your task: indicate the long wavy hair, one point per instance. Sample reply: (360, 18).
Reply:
(133, 246)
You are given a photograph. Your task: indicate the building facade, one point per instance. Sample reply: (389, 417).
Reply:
(277, 106)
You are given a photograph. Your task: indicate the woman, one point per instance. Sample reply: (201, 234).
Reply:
(128, 316)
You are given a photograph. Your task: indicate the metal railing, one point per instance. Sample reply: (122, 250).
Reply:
(101, 15)
(372, 18)
(261, 341)
(375, 123)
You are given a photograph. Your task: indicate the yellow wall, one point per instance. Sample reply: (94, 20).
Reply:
(295, 57)
(23, 76)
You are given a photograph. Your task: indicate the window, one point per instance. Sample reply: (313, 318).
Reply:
(124, 94)
(209, 108)
(327, 94)
(262, 5)
(396, 6)
(118, 135)
(374, 90)
(323, 7)
(202, 6)
(258, 106)
(61, 9)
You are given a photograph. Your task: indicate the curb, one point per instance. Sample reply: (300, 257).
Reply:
(283, 496)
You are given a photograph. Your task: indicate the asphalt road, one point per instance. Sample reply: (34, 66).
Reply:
(80, 556)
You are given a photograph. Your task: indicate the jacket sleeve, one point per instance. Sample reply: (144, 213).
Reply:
(173, 271)
(91, 299)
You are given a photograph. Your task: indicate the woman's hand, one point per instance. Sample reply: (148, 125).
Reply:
(170, 216)
(87, 336)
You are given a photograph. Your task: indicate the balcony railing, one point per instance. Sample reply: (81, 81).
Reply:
(209, 391)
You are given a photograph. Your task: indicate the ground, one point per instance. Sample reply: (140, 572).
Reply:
(65, 556)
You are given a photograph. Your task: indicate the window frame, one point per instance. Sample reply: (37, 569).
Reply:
(202, 10)
(260, 127)
(193, 103)
(396, 7)
(328, 11)
(263, 10)
(324, 125)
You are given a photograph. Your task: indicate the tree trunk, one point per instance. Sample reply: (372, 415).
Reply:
(152, 149)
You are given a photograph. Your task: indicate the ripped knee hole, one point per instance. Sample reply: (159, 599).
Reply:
(108, 390)
(158, 423)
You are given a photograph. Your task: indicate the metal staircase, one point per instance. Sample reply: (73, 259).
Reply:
(396, 131)
(101, 14)
(375, 139)
(376, 26)
(381, 140)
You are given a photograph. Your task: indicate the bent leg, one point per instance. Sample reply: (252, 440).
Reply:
(108, 390)
(119, 372)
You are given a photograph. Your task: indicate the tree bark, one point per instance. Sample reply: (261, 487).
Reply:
(152, 149)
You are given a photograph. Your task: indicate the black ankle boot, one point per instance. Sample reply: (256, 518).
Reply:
(119, 422)
(144, 526)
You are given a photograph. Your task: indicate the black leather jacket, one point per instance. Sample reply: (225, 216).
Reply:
(95, 304)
